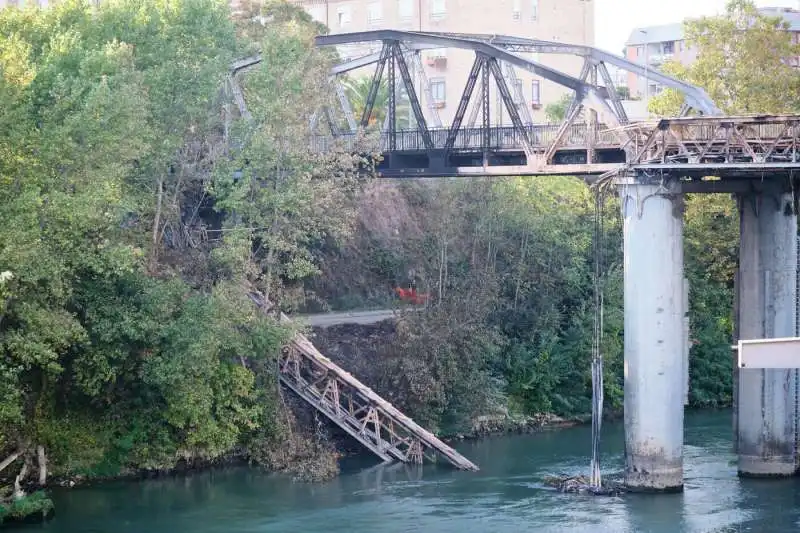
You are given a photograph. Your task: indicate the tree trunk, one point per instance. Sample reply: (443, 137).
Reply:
(42, 459)
(270, 257)
(18, 492)
(520, 268)
(157, 217)
(441, 271)
(10, 459)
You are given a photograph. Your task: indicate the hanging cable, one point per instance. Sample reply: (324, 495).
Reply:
(598, 239)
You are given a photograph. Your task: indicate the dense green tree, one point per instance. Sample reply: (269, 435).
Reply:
(128, 336)
(745, 62)
(357, 91)
(556, 112)
(284, 196)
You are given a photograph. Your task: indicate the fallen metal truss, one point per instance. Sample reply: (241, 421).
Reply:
(355, 408)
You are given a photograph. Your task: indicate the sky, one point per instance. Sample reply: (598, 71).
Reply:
(615, 19)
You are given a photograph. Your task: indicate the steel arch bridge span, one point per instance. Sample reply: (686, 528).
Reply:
(580, 145)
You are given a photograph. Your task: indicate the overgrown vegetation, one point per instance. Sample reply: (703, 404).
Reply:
(140, 225)
(137, 225)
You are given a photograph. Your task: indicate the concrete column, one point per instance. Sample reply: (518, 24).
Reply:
(687, 342)
(654, 336)
(767, 284)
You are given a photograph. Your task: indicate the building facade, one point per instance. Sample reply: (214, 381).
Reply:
(446, 70)
(23, 3)
(656, 45)
(569, 21)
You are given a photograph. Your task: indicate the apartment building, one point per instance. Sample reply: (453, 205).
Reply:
(655, 45)
(23, 3)
(570, 21)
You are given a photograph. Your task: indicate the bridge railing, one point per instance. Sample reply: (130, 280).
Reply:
(500, 138)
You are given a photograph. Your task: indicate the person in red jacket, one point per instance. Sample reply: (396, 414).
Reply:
(411, 295)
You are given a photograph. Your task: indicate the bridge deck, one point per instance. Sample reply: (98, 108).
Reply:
(693, 147)
(355, 408)
(506, 155)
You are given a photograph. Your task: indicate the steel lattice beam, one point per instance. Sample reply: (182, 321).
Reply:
(391, 112)
(622, 116)
(477, 65)
(375, 85)
(505, 93)
(501, 46)
(355, 408)
(419, 70)
(412, 95)
(467, 44)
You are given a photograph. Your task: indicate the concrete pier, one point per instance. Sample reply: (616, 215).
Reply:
(766, 287)
(654, 336)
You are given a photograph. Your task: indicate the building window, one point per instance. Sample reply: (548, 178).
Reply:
(374, 12)
(405, 8)
(536, 93)
(438, 9)
(438, 90)
(669, 47)
(516, 10)
(343, 16)
(534, 9)
(639, 50)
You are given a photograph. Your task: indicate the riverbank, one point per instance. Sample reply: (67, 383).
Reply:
(31, 508)
(507, 495)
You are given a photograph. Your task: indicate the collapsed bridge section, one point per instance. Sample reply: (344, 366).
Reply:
(358, 410)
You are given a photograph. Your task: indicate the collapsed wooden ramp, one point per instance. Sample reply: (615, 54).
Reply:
(355, 408)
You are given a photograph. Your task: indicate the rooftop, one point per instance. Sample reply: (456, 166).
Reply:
(674, 31)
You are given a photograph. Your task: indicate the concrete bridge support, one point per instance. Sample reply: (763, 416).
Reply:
(654, 335)
(767, 283)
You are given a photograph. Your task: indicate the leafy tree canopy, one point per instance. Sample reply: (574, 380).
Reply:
(746, 62)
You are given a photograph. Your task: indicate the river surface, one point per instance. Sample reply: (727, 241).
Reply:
(507, 495)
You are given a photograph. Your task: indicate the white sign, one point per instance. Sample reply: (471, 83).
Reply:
(769, 353)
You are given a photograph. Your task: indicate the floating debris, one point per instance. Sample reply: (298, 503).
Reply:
(581, 485)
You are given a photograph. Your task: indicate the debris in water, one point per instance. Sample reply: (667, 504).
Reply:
(581, 485)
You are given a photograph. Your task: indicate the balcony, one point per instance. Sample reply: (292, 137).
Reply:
(436, 58)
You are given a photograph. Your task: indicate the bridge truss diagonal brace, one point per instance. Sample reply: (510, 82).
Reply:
(510, 105)
(375, 86)
(419, 71)
(345, 105)
(519, 96)
(469, 88)
(413, 99)
(482, 68)
(578, 97)
(622, 116)
(569, 120)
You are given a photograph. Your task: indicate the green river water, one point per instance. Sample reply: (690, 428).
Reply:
(507, 495)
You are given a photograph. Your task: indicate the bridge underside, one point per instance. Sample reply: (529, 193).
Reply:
(465, 163)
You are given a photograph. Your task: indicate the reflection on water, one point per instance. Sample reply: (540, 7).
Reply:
(507, 495)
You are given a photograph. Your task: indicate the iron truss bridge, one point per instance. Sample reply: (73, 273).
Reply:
(693, 147)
